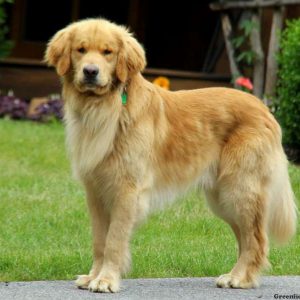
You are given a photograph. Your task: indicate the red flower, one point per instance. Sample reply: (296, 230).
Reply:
(244, 82)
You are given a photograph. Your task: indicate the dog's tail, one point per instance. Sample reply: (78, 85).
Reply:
(282, 219)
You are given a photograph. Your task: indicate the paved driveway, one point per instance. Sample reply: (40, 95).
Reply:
(272, 287)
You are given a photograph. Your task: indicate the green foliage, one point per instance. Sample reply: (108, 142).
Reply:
(241, 43)
(246, 56)
(287, 106)
(247, 26)
(5, 45)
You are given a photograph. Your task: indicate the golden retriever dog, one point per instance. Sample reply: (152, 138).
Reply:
(135, 146)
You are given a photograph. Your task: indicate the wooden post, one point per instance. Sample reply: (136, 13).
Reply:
(227, 31)
(258, 63)
(272, 67)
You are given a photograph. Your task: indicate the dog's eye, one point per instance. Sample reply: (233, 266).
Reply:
(81, 50)
(107, 51)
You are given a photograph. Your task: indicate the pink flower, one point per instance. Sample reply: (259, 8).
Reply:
(244, 82)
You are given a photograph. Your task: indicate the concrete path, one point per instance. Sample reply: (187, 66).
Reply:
(272, 287)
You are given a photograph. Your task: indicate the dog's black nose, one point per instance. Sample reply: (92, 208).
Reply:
(90, 71)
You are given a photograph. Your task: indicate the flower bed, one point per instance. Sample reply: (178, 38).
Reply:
(38, 109)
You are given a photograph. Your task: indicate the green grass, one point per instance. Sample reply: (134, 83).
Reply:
(45, 231)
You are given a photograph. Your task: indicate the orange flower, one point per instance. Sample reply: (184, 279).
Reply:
(163, 82)
(244, 82)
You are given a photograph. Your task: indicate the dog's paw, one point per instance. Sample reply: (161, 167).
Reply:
(230, 281)
(83, 281)
(104, 285)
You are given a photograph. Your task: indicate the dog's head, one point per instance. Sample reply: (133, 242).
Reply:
(94, 54)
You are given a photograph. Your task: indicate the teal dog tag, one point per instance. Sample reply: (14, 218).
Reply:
(124, 98)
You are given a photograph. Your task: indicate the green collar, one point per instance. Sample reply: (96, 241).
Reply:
(124, 97)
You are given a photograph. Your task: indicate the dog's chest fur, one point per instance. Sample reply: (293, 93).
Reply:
(90, 138)
(101, 149)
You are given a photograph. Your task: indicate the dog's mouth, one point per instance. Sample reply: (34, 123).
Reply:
(88, 86)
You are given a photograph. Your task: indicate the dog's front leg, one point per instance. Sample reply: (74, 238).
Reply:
(100, 223)
(116, 253)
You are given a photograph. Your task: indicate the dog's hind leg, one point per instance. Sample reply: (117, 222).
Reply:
(213, 202)
(251, 225)
(242, 201)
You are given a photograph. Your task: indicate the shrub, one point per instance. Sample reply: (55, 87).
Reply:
(287, 106)
(5, 45)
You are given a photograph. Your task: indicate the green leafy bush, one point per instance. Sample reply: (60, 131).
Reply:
(287, 108)
(5, 45)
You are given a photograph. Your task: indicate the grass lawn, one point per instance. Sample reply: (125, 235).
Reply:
(45, 231)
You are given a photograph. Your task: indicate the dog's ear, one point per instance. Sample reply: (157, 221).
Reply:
(131, 58)
(58, 52)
